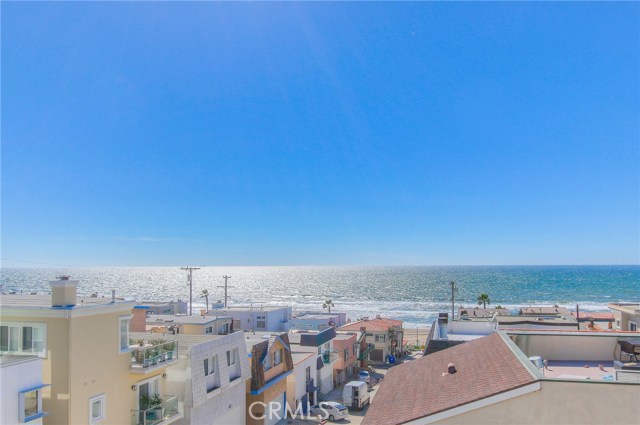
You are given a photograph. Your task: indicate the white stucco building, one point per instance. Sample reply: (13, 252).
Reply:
(257, 318)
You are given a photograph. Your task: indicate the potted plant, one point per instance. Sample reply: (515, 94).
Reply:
(152, 406)
(169, 348)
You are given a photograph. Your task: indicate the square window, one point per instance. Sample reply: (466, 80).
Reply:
(30, 404)
(231, 357)
(97, 408)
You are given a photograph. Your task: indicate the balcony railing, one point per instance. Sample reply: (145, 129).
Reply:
(310, 387)
(163, 414)
(147, 356)
(329, 357)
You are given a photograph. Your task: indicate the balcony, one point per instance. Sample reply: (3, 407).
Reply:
(165, 413)
(153, 355)
(310, 386)
(329, 357)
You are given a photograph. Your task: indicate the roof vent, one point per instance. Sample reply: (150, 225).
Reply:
(451, 368)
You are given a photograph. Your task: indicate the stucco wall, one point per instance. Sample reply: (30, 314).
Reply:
(557, 402)
(568, 347)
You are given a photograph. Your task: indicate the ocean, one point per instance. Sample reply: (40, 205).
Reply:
(412, 294)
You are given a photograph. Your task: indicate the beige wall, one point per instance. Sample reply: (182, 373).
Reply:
(567, 403)
(568, 347)
(268, 395)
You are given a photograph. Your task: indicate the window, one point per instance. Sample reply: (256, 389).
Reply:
(124, 333)
(97, 408)
(277, 357)
(231, 357)
(30, 404)
(346, 354)
(24, 338)
(633, 326)
(308, 373)
(208, 330)
(266, 363)
(212, 379)
(355, 348)
(381, 338)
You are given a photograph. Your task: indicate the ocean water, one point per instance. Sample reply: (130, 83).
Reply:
(412, 294)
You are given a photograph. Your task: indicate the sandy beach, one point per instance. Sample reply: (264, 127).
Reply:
(412, 335)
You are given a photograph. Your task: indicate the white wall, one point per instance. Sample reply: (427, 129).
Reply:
(297, 381)
(13, 379)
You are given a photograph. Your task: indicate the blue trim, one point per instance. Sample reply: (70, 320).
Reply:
(271, 383)
(36, 416)
(142, 306)
(28, 390)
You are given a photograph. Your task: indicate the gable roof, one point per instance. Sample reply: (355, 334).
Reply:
(379, 324)
(485, 367)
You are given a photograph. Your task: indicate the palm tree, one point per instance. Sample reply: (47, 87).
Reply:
(484, 300)
(328, 304)
(205, 294)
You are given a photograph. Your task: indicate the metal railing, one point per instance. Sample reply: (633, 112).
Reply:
(143, 357)
(155, 415)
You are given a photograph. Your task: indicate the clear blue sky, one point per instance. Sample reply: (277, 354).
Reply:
(144, 133)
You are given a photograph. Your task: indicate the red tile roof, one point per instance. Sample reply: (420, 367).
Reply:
(379, 324)
(596, 316)
(485, 367)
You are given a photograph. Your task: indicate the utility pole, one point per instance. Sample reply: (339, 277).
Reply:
(454, 289)
(225, 289)
(190, 283)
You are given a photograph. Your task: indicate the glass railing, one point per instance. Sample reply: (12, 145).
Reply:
(143, 357)
(158, 414)
(329, 357)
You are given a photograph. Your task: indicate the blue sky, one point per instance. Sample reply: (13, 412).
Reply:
(147, 133)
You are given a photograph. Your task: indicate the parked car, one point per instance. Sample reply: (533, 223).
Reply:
(355, 394)
(364, 376)
(331, 410)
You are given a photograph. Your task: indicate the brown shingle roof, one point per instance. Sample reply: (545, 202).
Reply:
(485, 367)
(379, 324)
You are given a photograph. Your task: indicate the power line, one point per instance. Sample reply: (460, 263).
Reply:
(190, 283)
(225, 289)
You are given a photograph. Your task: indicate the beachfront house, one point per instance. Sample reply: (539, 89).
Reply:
(523, 376)
(210, 376)
(626, 316)
(98, 374)
(385, 335)
(21, 390)
(271, 364)
(257, 318)
(322, 344)
(317, 321)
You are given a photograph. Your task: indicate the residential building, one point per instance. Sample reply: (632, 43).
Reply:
(210, 376)
(626, 316)
(506, 377)
(21, 390)
(301, 388)
(97, 373)
(165, 307)
(190, 325)
(386, 335)
(346, 347)
(317, 321)
(320, 343)
(271, 364)
(257, 318)
(597, 321)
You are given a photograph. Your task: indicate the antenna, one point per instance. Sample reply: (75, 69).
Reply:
(225, 289)
(190, 283)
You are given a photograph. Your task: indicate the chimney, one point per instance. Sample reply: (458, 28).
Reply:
(63, 292)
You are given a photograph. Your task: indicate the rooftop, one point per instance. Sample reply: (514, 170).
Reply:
(299, 356)
(378, 324)
(629, 308)
(485, 367)
(183, 319)
(10, 359)
(231, 309)
(44, 302)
